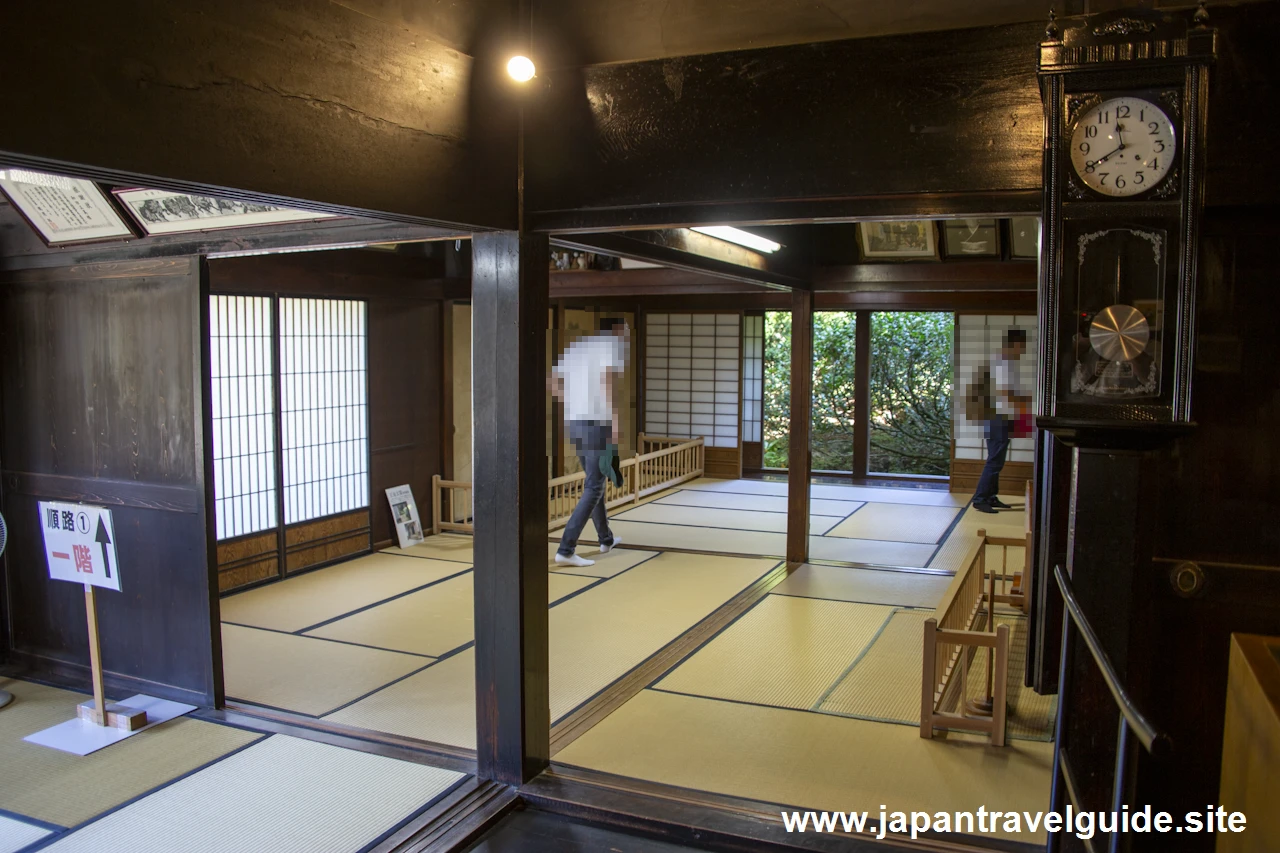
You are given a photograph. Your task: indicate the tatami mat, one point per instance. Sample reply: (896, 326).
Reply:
(885, 684)
(724, 519)
(285, 795)
(595, 638)
(917, 497)
(870, 551)
(65, 789)
(894, 523)
(443, 546)
(16, 834)
(870, 586)
(602, 634)
(689, 538)
(714, 540)
(305, 674)
(432, 621)
(311, 598)
(785, 652)
(437, 704)
(607, 565)
(814, 761)
(758, 503)
(961, 545)
(1030, 715)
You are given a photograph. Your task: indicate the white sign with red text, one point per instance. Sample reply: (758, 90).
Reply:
(80, 544)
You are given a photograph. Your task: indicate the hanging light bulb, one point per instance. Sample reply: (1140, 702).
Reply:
(520, 68)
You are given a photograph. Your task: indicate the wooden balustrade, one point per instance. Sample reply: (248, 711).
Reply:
(961, 626)
(662, 463)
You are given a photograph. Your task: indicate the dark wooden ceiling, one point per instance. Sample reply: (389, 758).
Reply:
(588, 32)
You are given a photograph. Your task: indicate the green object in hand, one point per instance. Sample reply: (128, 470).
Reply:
(609, 465)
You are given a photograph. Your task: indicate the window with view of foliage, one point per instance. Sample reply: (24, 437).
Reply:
(911, 355)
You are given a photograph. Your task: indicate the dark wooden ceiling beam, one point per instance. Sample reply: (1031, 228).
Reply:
(659, 281)
(690, 251)
(999, 204)
(962, 276)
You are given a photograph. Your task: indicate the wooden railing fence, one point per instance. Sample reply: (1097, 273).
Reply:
(661, 464)
(962, 625)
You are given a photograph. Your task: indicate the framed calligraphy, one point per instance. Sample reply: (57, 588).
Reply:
(63, 211)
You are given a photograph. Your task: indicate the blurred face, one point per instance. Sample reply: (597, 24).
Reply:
(623, 332)
(1016, 350)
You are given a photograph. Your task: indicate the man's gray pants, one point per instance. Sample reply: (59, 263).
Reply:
(591, 441)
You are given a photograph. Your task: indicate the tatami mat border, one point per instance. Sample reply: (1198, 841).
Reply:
(955, 522)
(33, 821)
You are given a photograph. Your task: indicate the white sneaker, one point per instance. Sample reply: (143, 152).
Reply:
(573, 560)
(617, 540)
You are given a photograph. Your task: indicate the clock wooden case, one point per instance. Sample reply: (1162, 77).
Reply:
(1125, 107)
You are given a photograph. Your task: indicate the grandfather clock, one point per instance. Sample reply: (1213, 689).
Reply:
(1125, 98)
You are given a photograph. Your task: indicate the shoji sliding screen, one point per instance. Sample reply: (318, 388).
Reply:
(324, 407)
(693, 383)
(244, 431)
(290, 434)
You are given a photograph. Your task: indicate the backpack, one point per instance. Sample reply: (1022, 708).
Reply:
(977, 396)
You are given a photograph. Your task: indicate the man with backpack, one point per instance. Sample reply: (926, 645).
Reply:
(1004, 402)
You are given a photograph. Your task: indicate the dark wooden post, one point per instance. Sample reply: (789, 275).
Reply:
(862, 394)
(509, 330)
(798, 456)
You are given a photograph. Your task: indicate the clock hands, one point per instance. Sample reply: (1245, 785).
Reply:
(1100, 160)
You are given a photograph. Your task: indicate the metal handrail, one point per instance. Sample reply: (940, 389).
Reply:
(1156, 743)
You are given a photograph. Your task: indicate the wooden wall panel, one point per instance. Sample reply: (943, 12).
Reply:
(723, 462)
(100, 374)
(406, 387)
(965, 474)
(294, 100)
(325, 540)
(248, 559)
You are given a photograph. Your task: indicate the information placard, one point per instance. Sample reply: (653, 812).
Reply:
(405, 512)
(80, 544)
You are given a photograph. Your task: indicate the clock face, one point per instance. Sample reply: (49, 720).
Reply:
(1123, 146)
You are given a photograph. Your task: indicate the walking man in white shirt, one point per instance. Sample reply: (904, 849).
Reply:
(1009, 402)
(584, 380)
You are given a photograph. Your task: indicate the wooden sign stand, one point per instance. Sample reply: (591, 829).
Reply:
(99, 712)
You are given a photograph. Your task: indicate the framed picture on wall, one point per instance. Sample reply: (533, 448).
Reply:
(164, 212)
(1024, 237)
(971, 238)
(912, 239)
(63, 211)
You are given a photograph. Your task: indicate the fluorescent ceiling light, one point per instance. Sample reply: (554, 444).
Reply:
(737, 235)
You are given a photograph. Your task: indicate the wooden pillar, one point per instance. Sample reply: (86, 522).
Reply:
(862, 394)
(508, 353)
(799, 458)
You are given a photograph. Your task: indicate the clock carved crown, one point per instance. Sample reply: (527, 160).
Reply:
(1124, 95)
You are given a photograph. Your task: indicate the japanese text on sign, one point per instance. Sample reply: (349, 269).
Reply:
(79, 544)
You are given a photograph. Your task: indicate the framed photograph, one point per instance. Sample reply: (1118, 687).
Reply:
(63, 211)
(913, 239)
(971, 238)
(164, 212)
(1024, 237)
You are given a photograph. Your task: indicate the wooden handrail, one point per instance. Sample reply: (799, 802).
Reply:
(675, 461)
